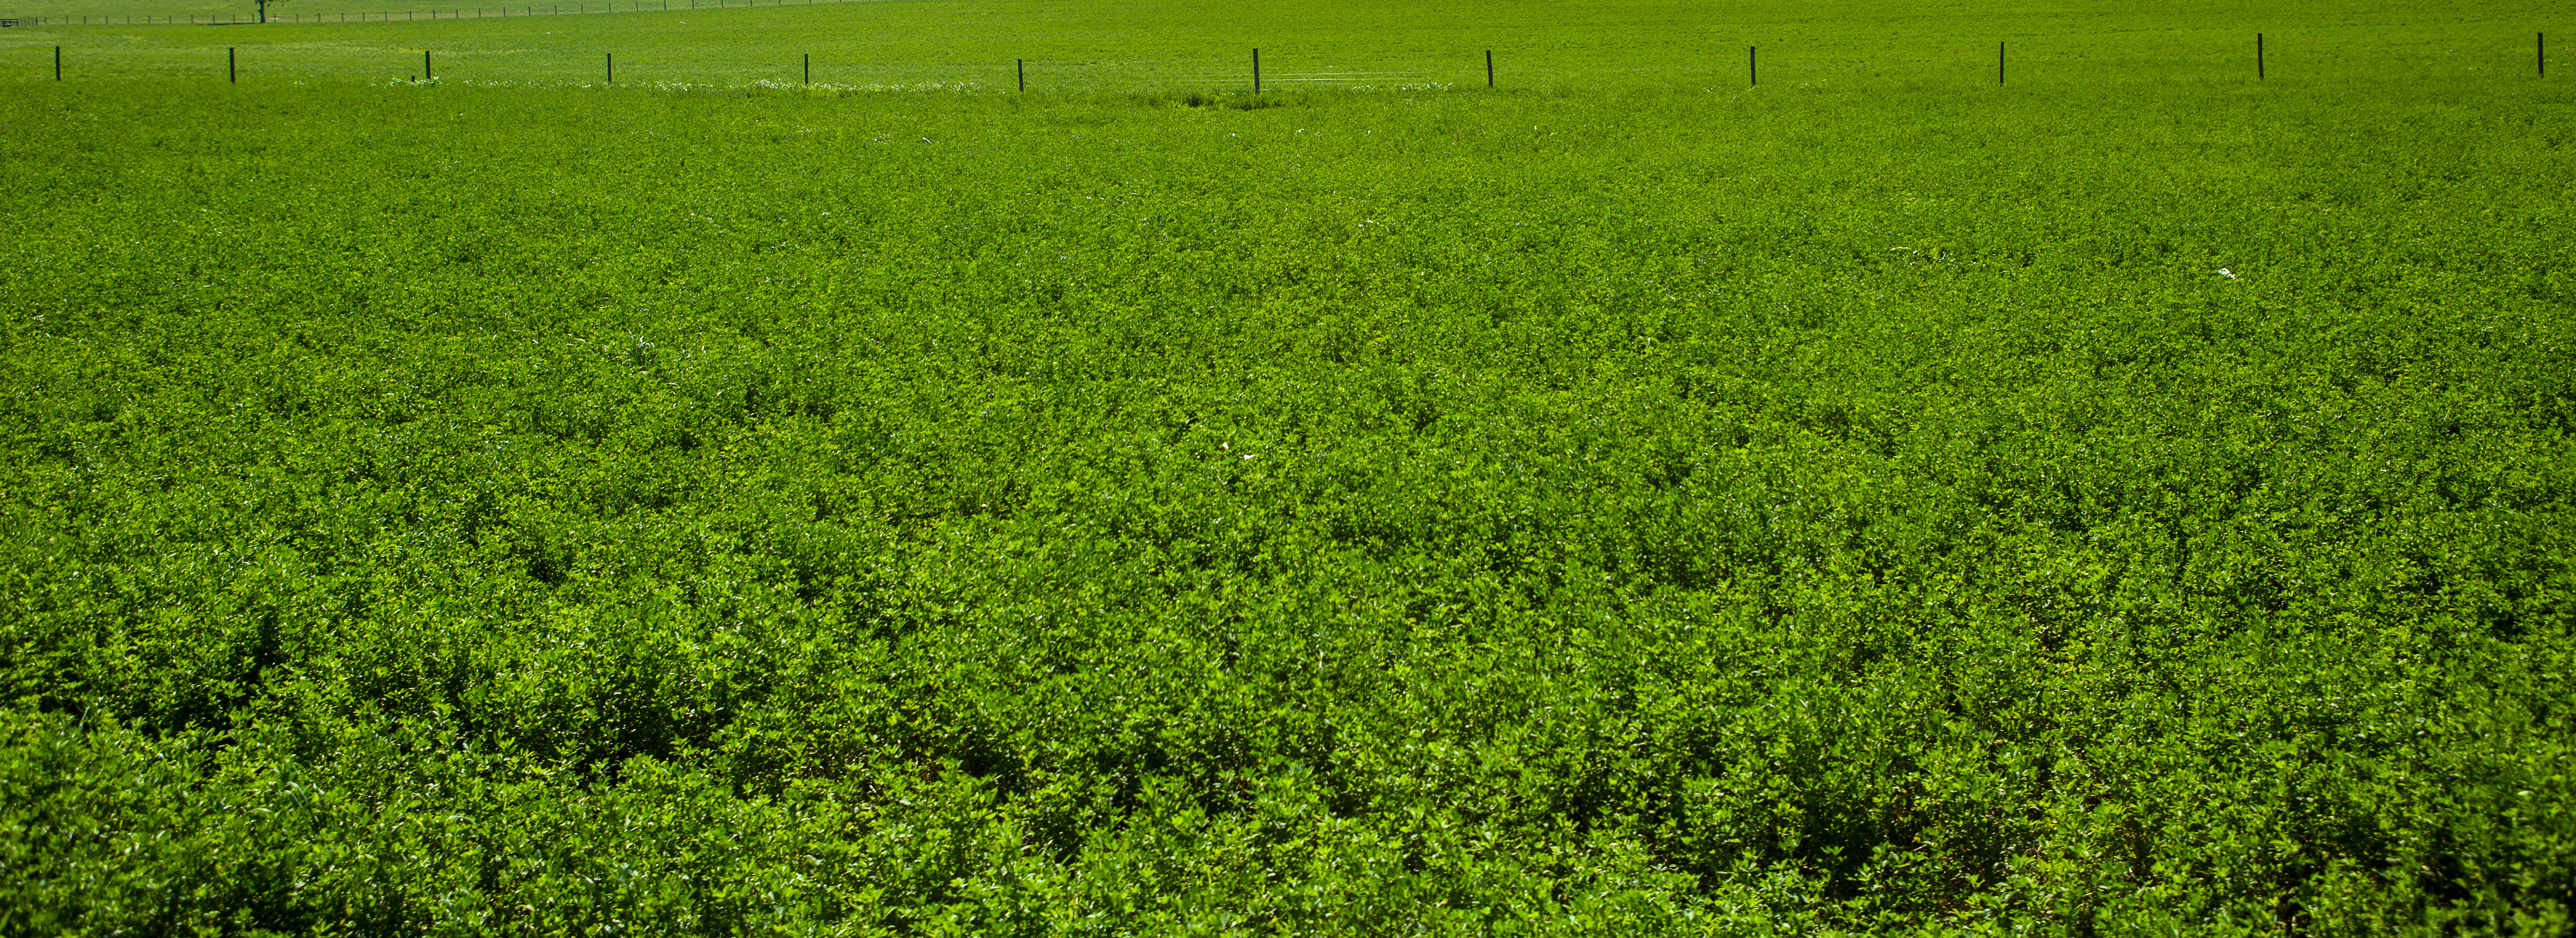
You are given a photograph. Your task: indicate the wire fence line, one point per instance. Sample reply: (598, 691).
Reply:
(653, 67)
(1409, 70)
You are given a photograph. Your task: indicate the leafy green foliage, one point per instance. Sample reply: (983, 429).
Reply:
(504, 509)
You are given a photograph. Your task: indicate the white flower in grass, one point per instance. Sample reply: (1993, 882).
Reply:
(2224, 272)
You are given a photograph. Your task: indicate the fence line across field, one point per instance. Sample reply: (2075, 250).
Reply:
(1202, 70)
(1752, 70)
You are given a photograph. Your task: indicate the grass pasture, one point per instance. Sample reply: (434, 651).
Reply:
(1167, 45)
(2132, 499)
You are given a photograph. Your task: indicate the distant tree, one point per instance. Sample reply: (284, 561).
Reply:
(263, 8)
